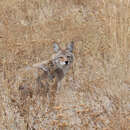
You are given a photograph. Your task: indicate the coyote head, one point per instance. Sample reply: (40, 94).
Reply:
(63, 58)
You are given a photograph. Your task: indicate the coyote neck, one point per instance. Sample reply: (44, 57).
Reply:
(54, 71)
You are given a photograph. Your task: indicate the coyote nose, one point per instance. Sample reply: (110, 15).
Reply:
(66, 62)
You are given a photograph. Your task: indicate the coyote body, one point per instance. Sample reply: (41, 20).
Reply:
(43, 78)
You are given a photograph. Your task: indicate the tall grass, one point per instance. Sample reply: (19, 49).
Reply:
(95, 94)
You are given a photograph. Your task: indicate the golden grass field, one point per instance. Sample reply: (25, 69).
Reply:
(95, 94)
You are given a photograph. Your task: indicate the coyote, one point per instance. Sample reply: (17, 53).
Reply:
(43, 78)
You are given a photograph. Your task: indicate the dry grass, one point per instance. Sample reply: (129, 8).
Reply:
(96, 92)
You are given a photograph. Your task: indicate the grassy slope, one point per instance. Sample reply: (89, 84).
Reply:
(95, 92)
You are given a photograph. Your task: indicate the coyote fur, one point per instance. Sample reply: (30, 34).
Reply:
(43, 78)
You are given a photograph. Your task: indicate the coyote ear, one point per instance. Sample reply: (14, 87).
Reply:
(70, 46)
(56, 47)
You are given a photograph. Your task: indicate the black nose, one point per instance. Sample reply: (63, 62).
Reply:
(66, 62)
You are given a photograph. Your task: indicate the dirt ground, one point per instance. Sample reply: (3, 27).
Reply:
(95, 94)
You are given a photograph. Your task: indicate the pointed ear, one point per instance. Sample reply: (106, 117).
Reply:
(56, 47)
(70, 46)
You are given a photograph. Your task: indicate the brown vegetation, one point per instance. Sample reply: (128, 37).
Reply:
(96, 92)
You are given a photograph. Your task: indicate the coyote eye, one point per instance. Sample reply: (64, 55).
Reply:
(60, 57)
(69, 57)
